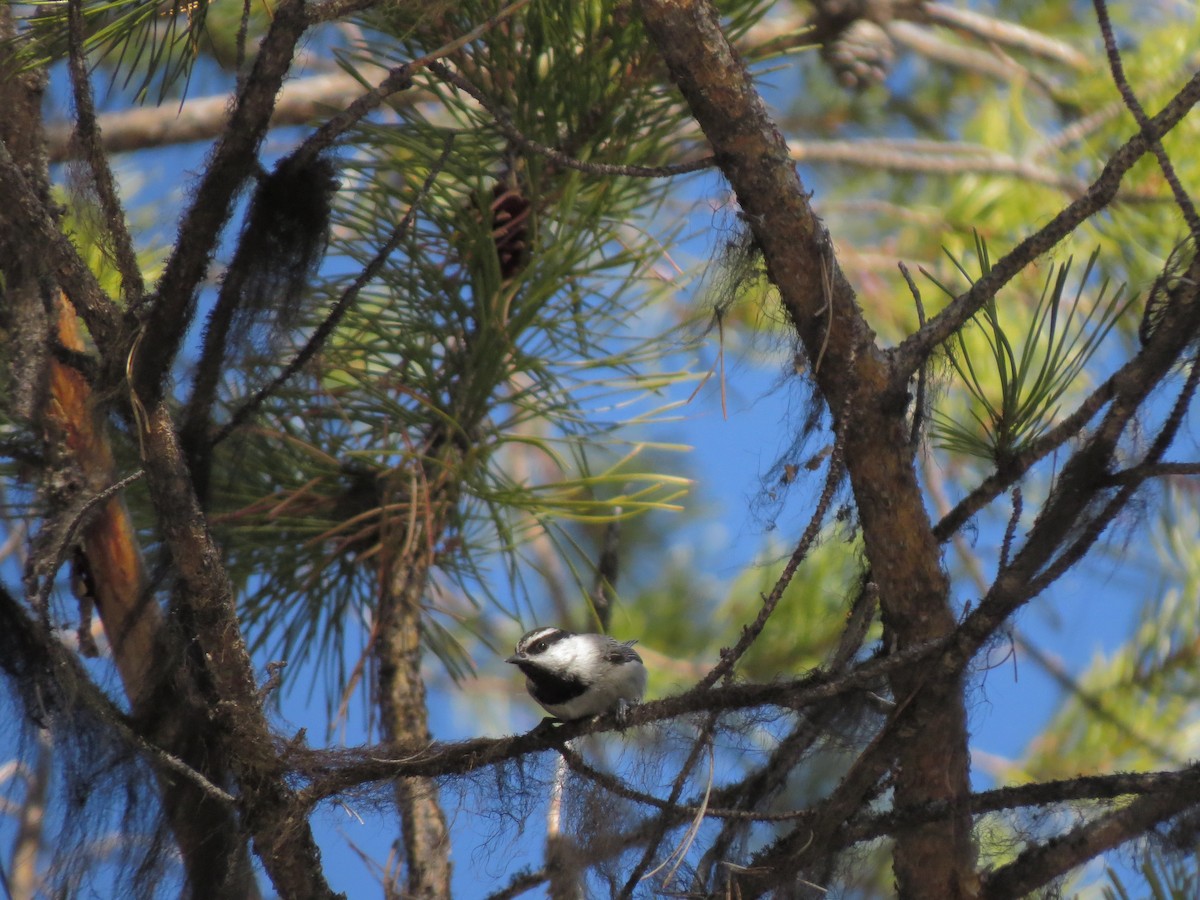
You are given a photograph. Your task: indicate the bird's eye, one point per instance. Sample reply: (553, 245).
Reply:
(539, 647)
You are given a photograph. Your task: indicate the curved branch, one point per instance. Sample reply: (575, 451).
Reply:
(1182, 199)
(1045, 793)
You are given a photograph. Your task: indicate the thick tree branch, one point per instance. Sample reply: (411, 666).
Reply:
(282, 839)
(903, 553)
(333, 772)
(1042, 863)
(1080, 485)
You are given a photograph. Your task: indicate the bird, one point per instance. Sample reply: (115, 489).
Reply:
(576, 676)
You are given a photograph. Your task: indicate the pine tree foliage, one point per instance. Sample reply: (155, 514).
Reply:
(292, 455)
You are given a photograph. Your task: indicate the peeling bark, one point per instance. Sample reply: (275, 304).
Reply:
(163, 699)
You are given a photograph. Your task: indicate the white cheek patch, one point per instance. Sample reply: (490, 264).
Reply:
(561, 656)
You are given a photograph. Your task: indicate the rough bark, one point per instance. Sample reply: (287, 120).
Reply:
(401, 689)
(232, 162)
(205, 608)
(164, 701)
(24, 312)
(938, 859)
(60, 403)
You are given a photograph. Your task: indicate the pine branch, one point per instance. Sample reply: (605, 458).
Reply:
(913, 351)
(1042, 863)
(1064, 516)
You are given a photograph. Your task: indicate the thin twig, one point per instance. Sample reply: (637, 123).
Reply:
(520, 883)
(87, 134)
(689, 837)
(1011, 531)
(399, 78)
(913, 351)
(1143, 471)
(702, 742)
(750, 633)
(827, 262)
(858, 623)
(914, 435)
(68, 538)
(1096, 702)
(1096, 527)
(1182, 198)
(474, 34)
(618, 788)
(79, 695)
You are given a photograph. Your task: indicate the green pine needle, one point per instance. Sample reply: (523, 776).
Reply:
(1016, 383)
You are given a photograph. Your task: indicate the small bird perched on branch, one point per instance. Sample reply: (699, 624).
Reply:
(574, 676)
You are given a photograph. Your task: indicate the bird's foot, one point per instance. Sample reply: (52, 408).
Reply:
(623, 713)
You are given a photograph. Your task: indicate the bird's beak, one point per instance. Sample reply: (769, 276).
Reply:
(515, 658)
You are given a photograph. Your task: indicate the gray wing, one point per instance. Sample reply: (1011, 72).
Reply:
(618, 652)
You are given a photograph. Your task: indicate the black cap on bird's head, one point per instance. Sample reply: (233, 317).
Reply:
(535, 643)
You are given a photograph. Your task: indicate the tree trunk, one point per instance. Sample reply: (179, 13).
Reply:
(853, 376)
(402, 697)
(157, 680)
